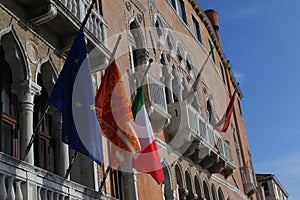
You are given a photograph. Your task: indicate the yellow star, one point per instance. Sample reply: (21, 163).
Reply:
(76, 60)
(78, 104)
(92, 107)
(87, 55)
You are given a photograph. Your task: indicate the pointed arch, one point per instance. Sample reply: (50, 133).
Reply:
(138, 39)
(180, 54)
(180, 186)
(15, 54)
(206, 190)
(9, 111)
(171, 44)
(210, 110)
(167, 184)
(159, 28)
(213, 192)
(189, 185)
(189, 64)
(198, 186)
(137, 44)
(47, 69)
(221, 194)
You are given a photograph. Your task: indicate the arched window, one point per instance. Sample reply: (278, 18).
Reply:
(209, 111)
(189, 67)
(213, 192)
(180, 55)
(9, 134)
(206, 190)
(221, 194)
(138, 51)
(179, 182)
(44, 143)
(198, 187)
(189, 185)
(167, 184)
(158, 29)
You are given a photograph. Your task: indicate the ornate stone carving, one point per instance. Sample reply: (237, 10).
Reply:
(25, 91)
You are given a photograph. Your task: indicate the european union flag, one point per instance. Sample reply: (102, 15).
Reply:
(73, 95)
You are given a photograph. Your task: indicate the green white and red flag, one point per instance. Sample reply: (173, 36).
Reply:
(148, 160)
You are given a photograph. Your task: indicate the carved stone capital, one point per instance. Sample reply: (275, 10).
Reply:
(25, 91)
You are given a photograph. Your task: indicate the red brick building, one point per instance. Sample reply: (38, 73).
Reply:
(178, 35)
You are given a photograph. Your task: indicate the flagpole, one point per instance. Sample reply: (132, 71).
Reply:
(112, 57)
(147, 70)
(195, 84)
(113, 53)
(35, 133)
(71, 164)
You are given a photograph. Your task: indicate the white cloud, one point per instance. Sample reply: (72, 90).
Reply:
(246, 11)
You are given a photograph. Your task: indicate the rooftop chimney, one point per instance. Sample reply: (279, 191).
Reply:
(213, 17)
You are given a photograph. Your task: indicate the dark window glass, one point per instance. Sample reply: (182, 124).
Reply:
(196, 28)
(6, 137)
(181, 10)
(173, 3)
(44, 148)
(266, 188)
(222, 74)
(212, 56)
(9, 137)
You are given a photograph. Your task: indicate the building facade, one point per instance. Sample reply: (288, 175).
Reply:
(199, 162)
(271, 187)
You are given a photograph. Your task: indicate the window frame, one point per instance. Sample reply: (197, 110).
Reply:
(196, 28)
(10, 117)
(212, 55)
(45, 132)
(182, 15)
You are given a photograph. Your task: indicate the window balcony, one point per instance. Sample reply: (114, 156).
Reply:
(155, 100)
(58, 21)
(19, 180)
(198, 140)
(248, 180)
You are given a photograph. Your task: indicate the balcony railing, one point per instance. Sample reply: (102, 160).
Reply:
(58, 21)
(155, 99)
(19, 180)
(77, 9)
(198, 140)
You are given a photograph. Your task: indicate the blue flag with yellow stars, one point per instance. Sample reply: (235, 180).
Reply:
(73, 95)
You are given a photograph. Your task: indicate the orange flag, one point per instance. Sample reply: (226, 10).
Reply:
(115, 116)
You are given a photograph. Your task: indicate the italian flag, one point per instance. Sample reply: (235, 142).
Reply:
(148, 160)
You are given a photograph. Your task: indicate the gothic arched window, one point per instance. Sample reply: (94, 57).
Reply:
(44, 143)
(9, 132)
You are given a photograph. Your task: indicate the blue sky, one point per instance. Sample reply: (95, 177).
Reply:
(262, 41)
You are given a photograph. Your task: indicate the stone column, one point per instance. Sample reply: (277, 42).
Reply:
(25, 91)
